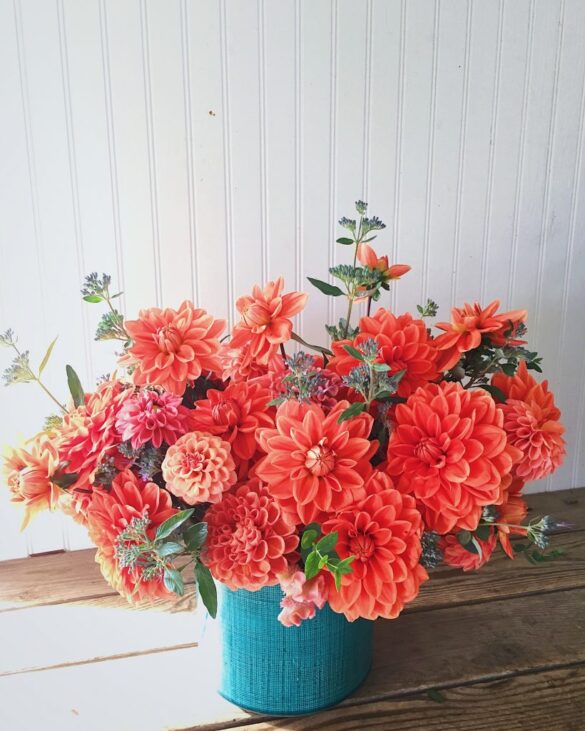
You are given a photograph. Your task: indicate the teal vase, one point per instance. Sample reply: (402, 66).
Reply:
(268, 668)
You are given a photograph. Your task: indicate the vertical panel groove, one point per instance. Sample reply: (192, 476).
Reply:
(191, 201)
(367, 101)
(151, 150)
(492, 154)
(263, 148)
(332, 150)
(399, 133)
(112, 163)
(430, 156)
(462, 136)
(298, 157)
(521, 152)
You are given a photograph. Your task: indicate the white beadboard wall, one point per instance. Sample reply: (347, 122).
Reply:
(195, 148)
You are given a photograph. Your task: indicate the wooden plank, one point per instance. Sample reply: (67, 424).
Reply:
(440, 649)
(553, 700)
(69, 577)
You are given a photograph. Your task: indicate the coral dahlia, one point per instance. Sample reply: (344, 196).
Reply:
(250, 540)
(404, 344)
(368, 257)
(172, 347)
(383, 532)
(449, 449)
(511, 514)
(314, 464)
(531, 421)
(459, 557)
(265, 322)
(110, 513)
(152, 416)
(198, 468)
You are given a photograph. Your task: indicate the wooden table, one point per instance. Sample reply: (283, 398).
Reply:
(502, 648)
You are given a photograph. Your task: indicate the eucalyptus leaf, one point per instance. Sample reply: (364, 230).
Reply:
(170, 524)
(354, 352)
(207, 588)
(47, 356)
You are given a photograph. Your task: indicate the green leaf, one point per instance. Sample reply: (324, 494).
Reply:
(64, 480)
(344, 567)
(482, 532)
(168, 549)
(170, 524)
(464, 537)
(337, 578)
(497, 394)
(345, 241)
(118, 294)
(325, 287)
(75, 387)
(45, 360)
(352, 410)
(354, 352)
(323, 562)
(195, 536)
(312, 565)
(436, 695)
(93, 298)
(328, 542)
(207, 588)
(381, 367)
(174, 581)
(308, 538)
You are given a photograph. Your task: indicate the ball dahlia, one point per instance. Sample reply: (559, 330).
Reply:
(29, 475)
(250, 540)
(531, 421)
(459, 557)
(172, 347)
(383, 532)
(199, 468)
(110, 513)
(404, 344)
(450, 451)
(152, 416)
(314, 464)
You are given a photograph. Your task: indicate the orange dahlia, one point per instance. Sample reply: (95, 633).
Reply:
(403, 343)
(314, 464)
(368, 257)
(468, 324)
(511, 514)
(265, 322)
(172, 347)
(531, 420)
(110, 513)
(449, 449)
(383, 532)
(459, 557)
(29, 475)
(199, 468)
(235, 414)
(250, 540)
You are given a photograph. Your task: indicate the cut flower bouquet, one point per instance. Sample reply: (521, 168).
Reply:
(341, 472)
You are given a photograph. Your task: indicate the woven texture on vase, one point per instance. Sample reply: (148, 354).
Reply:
(268, 668)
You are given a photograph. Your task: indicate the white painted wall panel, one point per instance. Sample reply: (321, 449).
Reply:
(194, 148)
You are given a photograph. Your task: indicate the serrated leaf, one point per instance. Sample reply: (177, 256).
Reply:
(345, 241)
(75, 387)
(170, 548)
(93, 298)
(47, 355)
(207, 588)
(351, 411)
(354, 352)
(170, 524)
(328, 542)
(174, 581)
(312, 565)
(325, 287)
(195, 536)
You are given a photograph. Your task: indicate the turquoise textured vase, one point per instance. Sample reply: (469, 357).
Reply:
(268, 668)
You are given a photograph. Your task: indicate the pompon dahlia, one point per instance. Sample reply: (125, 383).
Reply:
(199, 468)
(459, 557)
(314, 464)
(172, 347)
(468, 324)
(511, 514)
(110, 513)
(383, 532)
(531, 421)
(235, 414)
(29, 475)
(250, 540)
(152, 416)
(404, 344)
(265, 322)
(449, 449)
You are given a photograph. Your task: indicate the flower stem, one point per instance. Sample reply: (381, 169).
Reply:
(36, 378)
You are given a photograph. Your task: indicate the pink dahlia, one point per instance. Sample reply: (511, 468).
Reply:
(152, 416)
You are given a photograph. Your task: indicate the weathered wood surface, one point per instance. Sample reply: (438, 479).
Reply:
(505, 646)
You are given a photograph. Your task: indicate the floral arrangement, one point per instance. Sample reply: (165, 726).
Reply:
(344, 475)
